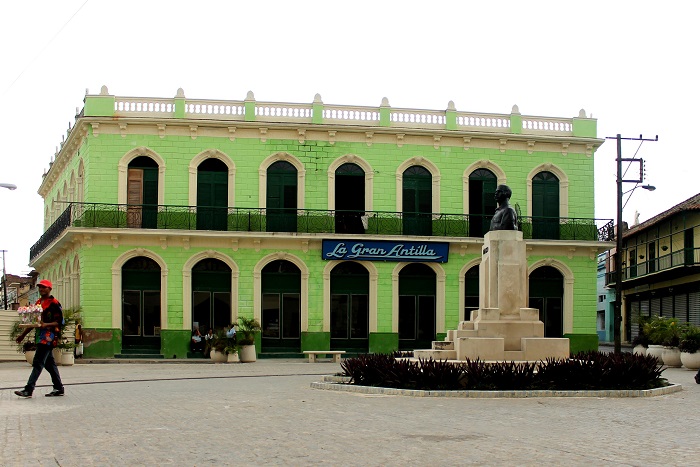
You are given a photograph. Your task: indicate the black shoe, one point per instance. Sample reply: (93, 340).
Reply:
(697, 378)
(23, 393)
(55, 393)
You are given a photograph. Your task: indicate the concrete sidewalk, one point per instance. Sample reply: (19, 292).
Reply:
(265, 413)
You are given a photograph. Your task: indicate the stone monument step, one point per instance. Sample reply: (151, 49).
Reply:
(466, 326)
(443, 345)
(454, 334)
(513, 355)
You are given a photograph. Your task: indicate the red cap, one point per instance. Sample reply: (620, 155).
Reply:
(46, 283)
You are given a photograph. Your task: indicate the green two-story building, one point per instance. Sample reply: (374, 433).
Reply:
(337, 227)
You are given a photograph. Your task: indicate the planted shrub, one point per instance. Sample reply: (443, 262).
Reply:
(584, 371)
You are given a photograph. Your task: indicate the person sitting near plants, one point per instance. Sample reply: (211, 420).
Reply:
(207, 340)
(197, 344)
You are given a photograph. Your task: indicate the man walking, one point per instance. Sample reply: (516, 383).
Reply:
(47, 335)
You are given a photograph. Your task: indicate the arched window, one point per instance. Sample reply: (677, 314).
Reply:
(471, 291)
(211, 295)
(281, 197)
(141, 320)
(349, 319)
(417, 307)
(142, 193)
(547, 295)
(417, 201)
(545, 206)
(482, 204)
(281, 307)
(349, 198)
(212, 195)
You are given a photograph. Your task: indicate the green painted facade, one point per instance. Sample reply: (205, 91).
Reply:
(98, 144)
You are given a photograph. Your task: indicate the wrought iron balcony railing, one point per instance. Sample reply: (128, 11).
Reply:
(682, 257)
(99, 215)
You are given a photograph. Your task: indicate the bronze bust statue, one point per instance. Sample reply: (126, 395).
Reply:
(505, 217)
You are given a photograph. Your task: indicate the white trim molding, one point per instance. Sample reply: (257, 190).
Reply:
(369, 179)
(123, 169)
(201, 157)
(430, 167)
(568, 299)
(262, 178)
(563, 187)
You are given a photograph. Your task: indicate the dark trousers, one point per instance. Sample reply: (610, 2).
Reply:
(43, 358)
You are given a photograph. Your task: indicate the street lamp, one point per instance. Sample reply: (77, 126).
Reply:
(9, 186)
(617, 312)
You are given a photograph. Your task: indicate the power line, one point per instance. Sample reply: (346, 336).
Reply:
(43, 49)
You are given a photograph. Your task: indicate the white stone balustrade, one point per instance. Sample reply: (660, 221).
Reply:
(346, 114)
(279, 112)
(547, 124)
(224, 110)
(138, 106)
(483, 122)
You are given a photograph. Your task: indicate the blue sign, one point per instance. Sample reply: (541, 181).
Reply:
(424, 252)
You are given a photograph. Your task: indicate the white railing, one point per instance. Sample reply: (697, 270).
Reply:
(218, 110)
(339, 114)
(547, 124)
(483, 122)
(138, 106)
(276, 112)
(417, 118)
(350, 115)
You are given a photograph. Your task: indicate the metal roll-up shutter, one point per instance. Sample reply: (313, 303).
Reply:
(694, 308)
(680, 304)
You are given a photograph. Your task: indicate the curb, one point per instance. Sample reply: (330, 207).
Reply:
(339, 383)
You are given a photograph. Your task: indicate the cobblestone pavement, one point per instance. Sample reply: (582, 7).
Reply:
(265, 413)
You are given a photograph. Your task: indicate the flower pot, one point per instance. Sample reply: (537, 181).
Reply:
(56, 352)
(639, 350)
(656, 351)
(67, 358)
(29, 355)
(671, 357)
(218, 357)
(691, 360)
(248, 353)
(233, 358)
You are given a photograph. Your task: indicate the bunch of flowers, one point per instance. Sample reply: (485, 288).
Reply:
(29, 314)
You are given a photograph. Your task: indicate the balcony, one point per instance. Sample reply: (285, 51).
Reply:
(686, 257)
(311, 221)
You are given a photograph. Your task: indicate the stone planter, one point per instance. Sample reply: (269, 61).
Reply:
(656, 351)
(233, 358)
(639, 350)
(29, 355)
(691, 360)
(67, 358)
(218, 357)
(56, 352)
(248, 354)
(671, 357)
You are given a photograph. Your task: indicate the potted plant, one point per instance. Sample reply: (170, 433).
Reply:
(690, 347)
(640, 343)
(247, 328)
(63, 353)
(66, 352)
(652, 329)
(217, 345)
(27, 346)
(671, 337)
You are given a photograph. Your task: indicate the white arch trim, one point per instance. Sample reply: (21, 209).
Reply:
(439, 296)
(482, 164)
(568, 305)
(257, 285)
(369, 179)
(262, 178)
(373, 306)
(187, 285)
(430, 167)
(563, 187)
(201, 157)
(117, 285)
(123, 167)
(462, 284)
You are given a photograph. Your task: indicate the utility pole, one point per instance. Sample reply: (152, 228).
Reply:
(617, 312)
(4, 279)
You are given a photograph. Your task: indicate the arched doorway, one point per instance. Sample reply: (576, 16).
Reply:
(212, 195)
(281, 307)
(281, 197)
(482, 204)
(349, 320)
(547, 295)
(349, 198)
(417, 201)
(211, 295)
(545, 206)
(142, 193)
(416, 307)
(471, 291)
(141, 303)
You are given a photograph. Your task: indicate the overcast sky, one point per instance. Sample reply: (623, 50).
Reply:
(633, 65)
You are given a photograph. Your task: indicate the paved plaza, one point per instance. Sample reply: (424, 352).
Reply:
(265, 413)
